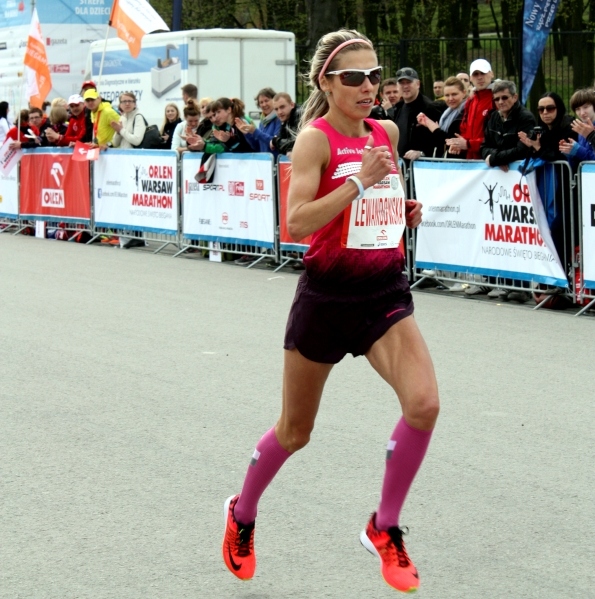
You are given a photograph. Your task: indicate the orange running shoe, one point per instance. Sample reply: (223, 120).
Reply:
(397, 569)
(238, 543)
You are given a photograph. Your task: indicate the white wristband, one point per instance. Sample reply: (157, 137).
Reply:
(360, 187)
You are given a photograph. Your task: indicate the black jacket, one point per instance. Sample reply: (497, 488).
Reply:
(284, 141)
(502, 141)
(416, 136)
(168, 129)
(441, 136)
(550, 139)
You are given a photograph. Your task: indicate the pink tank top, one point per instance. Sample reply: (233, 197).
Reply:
(326, 261)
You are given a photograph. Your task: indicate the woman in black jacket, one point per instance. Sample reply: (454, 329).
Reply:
(172, 119)
(450, 121)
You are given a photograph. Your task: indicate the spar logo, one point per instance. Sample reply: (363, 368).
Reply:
(225, 218)
(54, 198)
(259, 184)
(515, 214)
(235, 188)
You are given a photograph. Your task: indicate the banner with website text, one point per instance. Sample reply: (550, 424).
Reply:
(9, 195)
(484, 221)
(136, 190)
(54, 187)
(237, 207)
(588, 214)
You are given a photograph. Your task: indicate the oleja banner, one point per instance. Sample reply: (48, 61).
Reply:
(588, 214)
(9, 195)
(136, 190)
(237, 207)
(287, 243)
(482, 220)
(54, 187)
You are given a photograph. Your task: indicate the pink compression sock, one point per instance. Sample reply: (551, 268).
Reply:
(266, 461)
(405, 452)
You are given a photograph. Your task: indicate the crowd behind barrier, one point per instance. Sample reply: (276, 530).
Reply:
(478, 222)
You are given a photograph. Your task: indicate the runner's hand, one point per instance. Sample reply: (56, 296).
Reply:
(413, 213)
(376, 163)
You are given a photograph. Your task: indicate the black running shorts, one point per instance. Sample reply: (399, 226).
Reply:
(325, 326)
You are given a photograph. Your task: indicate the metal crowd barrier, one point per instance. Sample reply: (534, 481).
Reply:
(585, 260)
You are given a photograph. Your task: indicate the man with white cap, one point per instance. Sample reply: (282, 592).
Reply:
(468, 142)
(77, 128)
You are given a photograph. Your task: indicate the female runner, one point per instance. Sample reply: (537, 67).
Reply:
(353, 298)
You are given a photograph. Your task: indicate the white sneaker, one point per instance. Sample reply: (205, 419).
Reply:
(428, 273)
(498, 293)
(476, 290)
(457, 287)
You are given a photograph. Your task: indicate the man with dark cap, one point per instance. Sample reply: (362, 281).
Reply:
(415, 141)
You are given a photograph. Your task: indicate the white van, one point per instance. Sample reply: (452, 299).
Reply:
(232, 63)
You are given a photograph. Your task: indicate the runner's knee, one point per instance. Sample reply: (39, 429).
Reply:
(422, 410)
(293, 436)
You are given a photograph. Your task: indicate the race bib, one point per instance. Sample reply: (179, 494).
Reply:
(377, 221)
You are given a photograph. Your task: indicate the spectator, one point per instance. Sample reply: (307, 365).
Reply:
(189, 92)
(45, 108)
(204, 102)
(131, 126)
(389, 98)
(88, 122)
(27, 134)
(37, 118)
(102, 114)
(87, 85)
(465, 79)
(450, 120)
(59, 102)
(260, 137)
(438, 87)
(289, 115)
(206, 121)
(57, 123)
(185, 136)
(414, 140)
(502, 146)
(582, 103)
(467, 144)
(77, 126)
(171, 121)
(4, 125)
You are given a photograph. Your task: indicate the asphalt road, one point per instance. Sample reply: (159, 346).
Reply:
(134, 388)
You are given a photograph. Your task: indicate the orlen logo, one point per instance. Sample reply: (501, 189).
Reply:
(56, 171)
(243, 224)
(260, 184)
(235, 188)
(383, 236)
(224, 218)
(52, 198)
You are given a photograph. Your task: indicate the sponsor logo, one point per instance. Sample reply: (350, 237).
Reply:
(3, 46)
(235, 188)
(59, 68)
(204, 221)
(99, 192)
(261, 197)
(57, 171)
(394, 182)
(224, 218)
(383, 236)
(243, 224)
(52, 198)
(87, 41)
(212, 187)
(260, 184)
(56, 42)
(191, 187)
(593, 215)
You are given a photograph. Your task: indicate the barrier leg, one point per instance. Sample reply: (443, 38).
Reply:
(583, 310)
(418, 282)
(256, 261)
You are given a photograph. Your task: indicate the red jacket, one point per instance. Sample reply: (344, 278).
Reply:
(20, 136)
(474, 117)
(76, 130)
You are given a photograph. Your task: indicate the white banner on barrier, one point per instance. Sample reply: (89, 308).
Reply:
(237, 207)
(136, 190)
(9, 195)
(482, 220)
(588, 214)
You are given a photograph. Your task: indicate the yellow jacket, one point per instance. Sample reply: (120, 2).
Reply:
(101, 118)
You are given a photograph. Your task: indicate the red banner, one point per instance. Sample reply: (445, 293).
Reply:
(54, 187)
(284, 178)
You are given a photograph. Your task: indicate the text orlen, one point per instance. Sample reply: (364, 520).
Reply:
(379, 212)
(157, 193)
(52, 198)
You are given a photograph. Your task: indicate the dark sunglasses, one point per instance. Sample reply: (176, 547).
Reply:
(549, 108)
(501, 98)
(355, 77)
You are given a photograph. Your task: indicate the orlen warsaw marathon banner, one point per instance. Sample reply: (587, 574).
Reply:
(237, 207)
(68, 28)
(136, 190)
(484, 221)
(588, 214)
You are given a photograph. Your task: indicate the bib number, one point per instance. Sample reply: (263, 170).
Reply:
(377, 221)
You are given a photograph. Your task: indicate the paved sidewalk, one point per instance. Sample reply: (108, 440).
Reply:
(134, 388)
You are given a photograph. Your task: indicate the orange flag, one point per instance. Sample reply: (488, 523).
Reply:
(38, 72)
(132, 19)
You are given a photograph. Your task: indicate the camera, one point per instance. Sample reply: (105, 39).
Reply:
(535, 132)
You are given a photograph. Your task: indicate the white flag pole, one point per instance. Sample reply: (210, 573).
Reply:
(109, 24)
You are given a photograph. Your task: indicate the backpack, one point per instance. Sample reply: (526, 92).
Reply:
(152, 139)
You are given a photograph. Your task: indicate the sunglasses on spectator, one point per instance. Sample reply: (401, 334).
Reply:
(548, 108)
(355, 77)
(501, 98)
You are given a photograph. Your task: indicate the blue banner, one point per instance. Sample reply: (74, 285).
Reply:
(538, 17)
